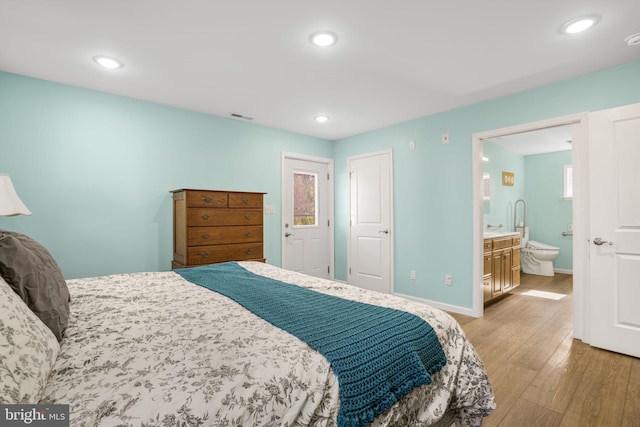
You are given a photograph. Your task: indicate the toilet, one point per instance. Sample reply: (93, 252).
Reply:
(535, 257)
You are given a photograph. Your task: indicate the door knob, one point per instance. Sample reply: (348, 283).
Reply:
(385, 231)
(287, 234)
(598, 241)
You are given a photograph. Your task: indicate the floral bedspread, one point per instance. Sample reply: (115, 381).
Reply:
(152, 349)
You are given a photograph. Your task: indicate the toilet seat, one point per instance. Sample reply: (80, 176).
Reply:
(532, 244)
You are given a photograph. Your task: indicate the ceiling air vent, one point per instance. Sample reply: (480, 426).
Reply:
(240, 116)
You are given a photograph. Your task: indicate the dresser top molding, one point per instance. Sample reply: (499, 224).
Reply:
(217, 191)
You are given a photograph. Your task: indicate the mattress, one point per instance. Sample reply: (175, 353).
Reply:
(152, 349)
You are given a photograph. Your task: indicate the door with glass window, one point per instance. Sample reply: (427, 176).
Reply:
(305, 217)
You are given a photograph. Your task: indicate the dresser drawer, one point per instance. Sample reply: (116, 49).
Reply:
(201, 199)
(211, 254)
(201, 217)
(245, 200)
(203, 236)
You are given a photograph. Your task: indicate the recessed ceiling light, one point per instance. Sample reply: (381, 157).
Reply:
(633, 39)
(579, 25)
(108, 62)
(323, 38)
(321, 118)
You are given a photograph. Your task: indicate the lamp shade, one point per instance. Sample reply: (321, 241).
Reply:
(10, 203)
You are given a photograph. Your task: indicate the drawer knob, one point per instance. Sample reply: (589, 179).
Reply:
(205, 217)
(245, 200)
(248, 234)
(205, 236)
(248, 216)
(207, 199)
(204, 254)
(248, 251)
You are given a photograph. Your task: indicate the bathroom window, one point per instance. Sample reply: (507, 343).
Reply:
(568, 182)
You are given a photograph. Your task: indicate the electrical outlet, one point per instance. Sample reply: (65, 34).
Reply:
(412, 145)
(412, 275)
(570, 226)
(269, 209)
(448, 280)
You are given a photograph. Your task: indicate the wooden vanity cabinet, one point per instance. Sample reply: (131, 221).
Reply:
(488, 268)
(501, 266)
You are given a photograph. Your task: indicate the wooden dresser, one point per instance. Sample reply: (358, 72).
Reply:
(216, 226)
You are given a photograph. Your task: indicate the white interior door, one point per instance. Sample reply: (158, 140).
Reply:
(370, 232)
(306, 214)
(614, 198)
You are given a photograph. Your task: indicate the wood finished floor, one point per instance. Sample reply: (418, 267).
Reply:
(540, 375)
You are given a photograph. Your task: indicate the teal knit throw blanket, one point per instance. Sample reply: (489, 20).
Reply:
(378, 354)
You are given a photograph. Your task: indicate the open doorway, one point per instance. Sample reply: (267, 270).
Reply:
(540, 162)
(574, 130)
(528, 195)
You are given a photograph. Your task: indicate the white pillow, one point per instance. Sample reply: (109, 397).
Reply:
(28, 350)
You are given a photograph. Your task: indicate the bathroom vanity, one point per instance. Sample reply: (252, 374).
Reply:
(501, 264)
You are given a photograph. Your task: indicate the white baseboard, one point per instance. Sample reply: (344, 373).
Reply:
(563, 271)
(439, 305)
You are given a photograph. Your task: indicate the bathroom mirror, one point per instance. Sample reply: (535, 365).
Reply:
(486, 192)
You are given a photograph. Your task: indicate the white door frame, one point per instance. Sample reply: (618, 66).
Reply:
(580, 161)
(330, 201)
(388, 151)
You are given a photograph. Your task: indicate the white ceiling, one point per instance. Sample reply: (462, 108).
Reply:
(394, 61)
(548, 140)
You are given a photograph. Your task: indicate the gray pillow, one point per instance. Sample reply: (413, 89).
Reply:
(34, 275)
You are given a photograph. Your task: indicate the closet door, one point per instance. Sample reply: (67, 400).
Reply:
(370, 233)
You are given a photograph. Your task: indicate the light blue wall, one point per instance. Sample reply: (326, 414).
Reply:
(548, 214)
(539, 179)
(433, 184)
(96, 171)
(499, 210)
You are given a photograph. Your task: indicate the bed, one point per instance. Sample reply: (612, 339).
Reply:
(155, 349)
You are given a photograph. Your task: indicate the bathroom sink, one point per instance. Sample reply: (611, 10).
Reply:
(491, 234)
(494, 234)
